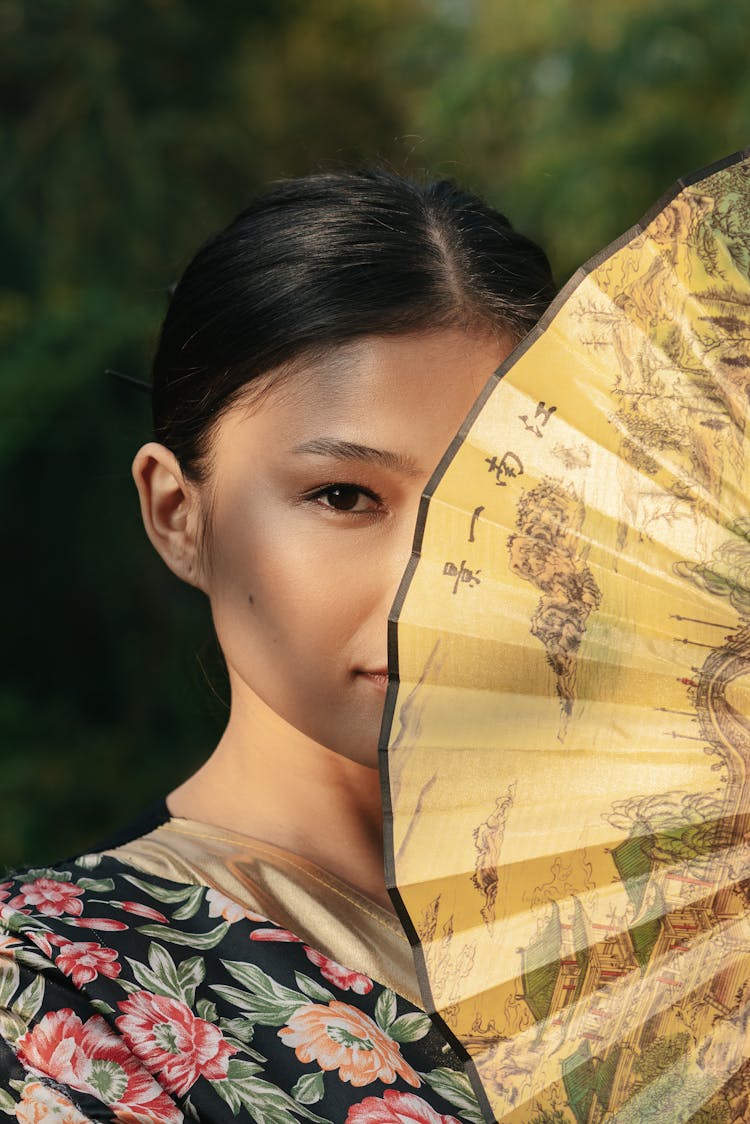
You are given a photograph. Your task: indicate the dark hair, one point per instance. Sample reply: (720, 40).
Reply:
(318, 261)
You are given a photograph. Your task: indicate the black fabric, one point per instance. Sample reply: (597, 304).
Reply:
(132, 997)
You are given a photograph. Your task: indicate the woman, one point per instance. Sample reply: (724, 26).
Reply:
(316, 359)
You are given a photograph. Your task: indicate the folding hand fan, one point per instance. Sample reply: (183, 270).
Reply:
(567, 733)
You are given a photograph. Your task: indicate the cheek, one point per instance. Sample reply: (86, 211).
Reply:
(294, 582)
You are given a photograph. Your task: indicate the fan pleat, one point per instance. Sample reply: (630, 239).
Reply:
(567, 761)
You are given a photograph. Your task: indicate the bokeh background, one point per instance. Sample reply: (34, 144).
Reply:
(131, 129)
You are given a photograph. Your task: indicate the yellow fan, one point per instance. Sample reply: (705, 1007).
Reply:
(567, 734)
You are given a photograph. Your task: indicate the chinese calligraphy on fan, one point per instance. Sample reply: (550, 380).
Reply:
(505, 467)
(461, 573)
(542, 411)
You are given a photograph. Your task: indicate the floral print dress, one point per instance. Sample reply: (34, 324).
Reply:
(129, 997)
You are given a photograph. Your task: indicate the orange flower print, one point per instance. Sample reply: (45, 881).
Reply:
(41, 1105)
(219, 905)
(338, 1036)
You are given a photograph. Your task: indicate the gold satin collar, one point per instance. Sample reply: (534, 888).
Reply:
(325, 912)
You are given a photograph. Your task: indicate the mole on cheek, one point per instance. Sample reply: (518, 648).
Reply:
(250, 599)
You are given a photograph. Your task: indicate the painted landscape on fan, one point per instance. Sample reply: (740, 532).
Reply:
(568, 761)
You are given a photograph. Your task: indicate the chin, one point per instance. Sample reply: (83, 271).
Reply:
(354, 735)
(357, 743)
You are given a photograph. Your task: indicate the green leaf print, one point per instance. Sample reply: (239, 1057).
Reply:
(259, 982)
(266, 1104)
(190, 1110)
(313, 989)
(309, 1089)
(237, 1073)
(161, 978)
(410, 1027)
(160, 893)
(192, 904)
(43, 872)
(10, 979)
(17, 922)
(90, 861)
(264, 1000)
(192, 940)
(146, 980)
(258, 1008)
(12, 1026)
(164, 977)
(455, 1088)
(31, 959)
(102, 1007)
(207, 1010)
(100, 885)
(385, 1009)
(238, 1028)
(7, 1103)
(190, 974)
(246, 1051)
(239, 1033)
(29, 1001)
(163, 965)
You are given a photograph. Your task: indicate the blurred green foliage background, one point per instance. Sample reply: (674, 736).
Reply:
(131, 129)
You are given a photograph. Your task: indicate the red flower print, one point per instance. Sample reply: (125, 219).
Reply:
(104, 924)
(91, 1058)
(396, 1108)
(343, 978)
(337, 974)
(172, 1041)
(282, 935)
(49, 897)
(140, 910)
(43, 941)
(83, 961)
(41, 1105)
(340, 1037)
(4, 891)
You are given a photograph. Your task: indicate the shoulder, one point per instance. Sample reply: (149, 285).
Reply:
(148, 998)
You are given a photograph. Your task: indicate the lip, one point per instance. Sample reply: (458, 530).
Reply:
(377, 676)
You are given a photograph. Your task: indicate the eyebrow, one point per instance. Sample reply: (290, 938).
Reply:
(351, 451)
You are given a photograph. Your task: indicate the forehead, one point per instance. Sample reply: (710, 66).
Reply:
(405, 392)
(376, 381)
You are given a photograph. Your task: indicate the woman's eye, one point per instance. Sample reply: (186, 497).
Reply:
(347, 498)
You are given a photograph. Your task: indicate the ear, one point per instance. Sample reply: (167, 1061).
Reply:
(170, 509)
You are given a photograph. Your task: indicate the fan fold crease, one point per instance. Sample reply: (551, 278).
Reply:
(566, 747)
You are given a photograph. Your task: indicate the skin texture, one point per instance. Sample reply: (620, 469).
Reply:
(301, 576)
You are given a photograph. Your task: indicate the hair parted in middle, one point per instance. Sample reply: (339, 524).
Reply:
(321, 260)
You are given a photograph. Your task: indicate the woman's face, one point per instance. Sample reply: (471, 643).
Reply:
(315, 490)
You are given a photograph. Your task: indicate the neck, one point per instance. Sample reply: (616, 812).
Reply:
(267, 780)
